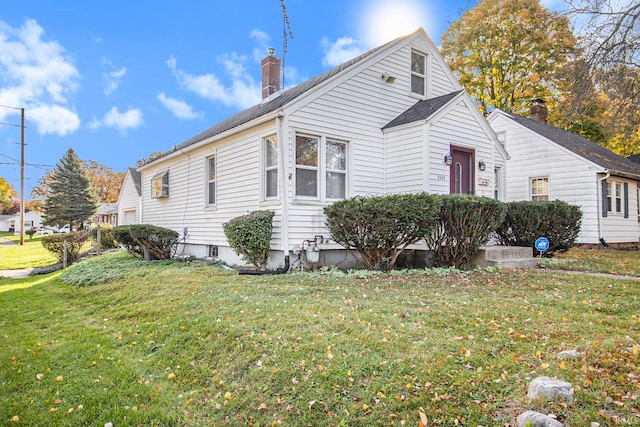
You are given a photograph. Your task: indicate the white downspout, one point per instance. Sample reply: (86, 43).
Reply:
(284, 196)
(600, 207)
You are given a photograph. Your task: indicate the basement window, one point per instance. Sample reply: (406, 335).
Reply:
(160, 185)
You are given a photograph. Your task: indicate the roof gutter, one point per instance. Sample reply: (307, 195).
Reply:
(248, 125)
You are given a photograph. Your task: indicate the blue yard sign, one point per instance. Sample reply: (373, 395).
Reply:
(542, 244)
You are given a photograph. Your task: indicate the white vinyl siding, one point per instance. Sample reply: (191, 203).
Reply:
(128, 202)
(237, 191)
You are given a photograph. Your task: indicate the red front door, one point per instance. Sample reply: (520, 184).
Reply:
(461, 178)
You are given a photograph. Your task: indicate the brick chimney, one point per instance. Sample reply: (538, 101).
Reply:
(539, 111)
(270, 74)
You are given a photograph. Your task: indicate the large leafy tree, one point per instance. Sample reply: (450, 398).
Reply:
(71, 197)
(506, 52)
(105, 181)
(7, 194)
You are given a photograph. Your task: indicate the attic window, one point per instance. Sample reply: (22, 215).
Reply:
(418, 73)
(160, 185)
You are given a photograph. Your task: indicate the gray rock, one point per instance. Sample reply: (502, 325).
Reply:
(536, 419)
(569, 354)
(551, 389)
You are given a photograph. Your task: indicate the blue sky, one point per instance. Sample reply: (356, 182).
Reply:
(118, 80)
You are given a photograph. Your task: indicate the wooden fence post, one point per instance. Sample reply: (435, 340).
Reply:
(98, 240)
(64, 254)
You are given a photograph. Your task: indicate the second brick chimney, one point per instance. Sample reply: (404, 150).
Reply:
(539, 111)
(270, 74)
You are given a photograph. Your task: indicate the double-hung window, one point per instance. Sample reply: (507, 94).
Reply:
(211, 180)
(321, 168)
(614, 197)
(270, 174)
(160, 185)
(418, 73)
(539, 189)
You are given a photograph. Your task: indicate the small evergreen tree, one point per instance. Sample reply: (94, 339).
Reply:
(72, 199)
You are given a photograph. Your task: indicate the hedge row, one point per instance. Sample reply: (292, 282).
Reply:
(376, 230)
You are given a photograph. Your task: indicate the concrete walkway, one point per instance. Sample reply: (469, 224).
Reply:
(22, 273)
(13, 274)
(6, 242)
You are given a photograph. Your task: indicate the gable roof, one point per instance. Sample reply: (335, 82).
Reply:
(136, 177)
(421, 110)
(615, 164)
(275, 103)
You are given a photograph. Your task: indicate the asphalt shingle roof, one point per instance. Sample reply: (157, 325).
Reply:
(137, 179)
(591, 151)
(422, 110)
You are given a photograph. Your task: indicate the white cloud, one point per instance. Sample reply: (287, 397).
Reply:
(180, 109)
(39, 76)
(112, 76)
(54, 119)
(242, 92)
(130, 119)
(262, 41)
(342, 50)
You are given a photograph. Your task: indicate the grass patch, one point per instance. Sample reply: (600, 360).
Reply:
(31, 254)
(601, 261)
(174, 344)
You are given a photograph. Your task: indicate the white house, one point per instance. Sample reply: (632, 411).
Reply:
(548, 163)
(392, 120)
(129, 199)
(32, 219)
(6, 222)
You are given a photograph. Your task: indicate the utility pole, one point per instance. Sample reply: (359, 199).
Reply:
(22, 179)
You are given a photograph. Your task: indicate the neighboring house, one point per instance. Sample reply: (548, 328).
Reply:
(6, 222)
(129, 200)
(548, 163)
(32, 219)
(393, 120)
(107, 214)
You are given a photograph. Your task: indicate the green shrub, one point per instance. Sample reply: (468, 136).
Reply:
(30, 232)
(556, 220)
(376, 230)
(54, 243)
(157, 241)
(250, 236)
(466, 223)
(122, 236)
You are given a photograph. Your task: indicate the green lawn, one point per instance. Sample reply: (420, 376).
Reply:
(602, 261)
(31, 254)
(172, 344)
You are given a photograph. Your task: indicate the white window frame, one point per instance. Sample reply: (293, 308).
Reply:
(615, 197)
(321, 168)
(267, 168)
(416, 73)
(539, 196)
(160, 185)
(497, 183)
(209, 180)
